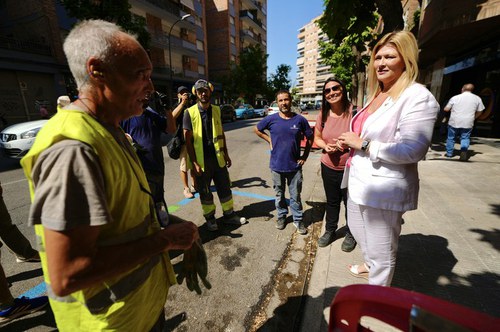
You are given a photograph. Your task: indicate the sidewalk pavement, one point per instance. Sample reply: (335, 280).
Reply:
(449, 247)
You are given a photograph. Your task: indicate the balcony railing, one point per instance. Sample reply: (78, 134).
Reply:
(252, 35)
(252, 17)
(256, 4)
(165, 5)
(159, 38)
(178, 72)
(24, 46)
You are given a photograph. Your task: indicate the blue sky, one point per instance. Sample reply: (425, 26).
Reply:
(284, 19)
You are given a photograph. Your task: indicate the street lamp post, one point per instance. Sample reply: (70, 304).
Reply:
(170, 55)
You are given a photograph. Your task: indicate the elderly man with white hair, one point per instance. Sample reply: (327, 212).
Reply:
(104, 257)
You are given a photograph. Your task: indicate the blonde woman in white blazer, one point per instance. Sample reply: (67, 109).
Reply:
(387, 139)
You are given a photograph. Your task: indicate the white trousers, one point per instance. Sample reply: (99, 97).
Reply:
(377, 232)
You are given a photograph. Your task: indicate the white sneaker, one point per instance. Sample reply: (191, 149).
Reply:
(212, 225)
(234, 219)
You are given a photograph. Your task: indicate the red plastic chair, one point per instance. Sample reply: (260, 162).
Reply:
(402, 309)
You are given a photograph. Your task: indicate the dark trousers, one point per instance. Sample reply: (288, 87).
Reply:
(334, 196)
(155, 182)
(220, 177)
(11, 235)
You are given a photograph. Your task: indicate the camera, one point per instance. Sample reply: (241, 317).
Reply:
(192, 99)
(162, 99)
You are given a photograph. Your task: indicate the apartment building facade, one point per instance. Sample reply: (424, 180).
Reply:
(460, 43)
(311, 71)
(34, 70)
(178, 46)
(233, 25)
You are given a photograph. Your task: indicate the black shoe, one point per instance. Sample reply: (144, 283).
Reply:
(280, 224)
(326, 238)
(21, 307)
(301, 228)
(349, 243)
(463, 155)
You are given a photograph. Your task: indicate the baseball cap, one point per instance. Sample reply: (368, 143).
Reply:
(201, 84)
(182, 88)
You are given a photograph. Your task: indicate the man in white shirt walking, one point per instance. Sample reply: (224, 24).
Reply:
(465, 108)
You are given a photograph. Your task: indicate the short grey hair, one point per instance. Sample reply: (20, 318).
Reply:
(89, 38)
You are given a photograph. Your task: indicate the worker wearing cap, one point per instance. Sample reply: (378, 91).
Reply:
(208, 156)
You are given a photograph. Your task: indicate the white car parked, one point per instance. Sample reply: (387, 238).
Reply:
(16, 140)
(275, 109)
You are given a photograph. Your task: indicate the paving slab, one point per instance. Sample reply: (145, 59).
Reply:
(449, 247)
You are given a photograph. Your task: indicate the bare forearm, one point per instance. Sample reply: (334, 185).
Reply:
(178, 110)
(307, 149)
(75, 263)
(107, 262)
(188, 137)
(262, 135)
(170, 122)
(224, 147)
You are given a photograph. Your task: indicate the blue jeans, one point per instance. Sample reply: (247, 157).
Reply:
(464, 134)
(294, 181)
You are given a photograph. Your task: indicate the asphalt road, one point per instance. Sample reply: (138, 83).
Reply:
(251, 267)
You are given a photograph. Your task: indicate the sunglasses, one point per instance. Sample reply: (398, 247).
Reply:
(334, 88)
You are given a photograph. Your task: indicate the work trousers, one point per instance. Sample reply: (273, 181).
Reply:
(220, 177)
(377, 232)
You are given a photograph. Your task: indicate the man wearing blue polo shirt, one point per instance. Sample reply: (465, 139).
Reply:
(286, 130)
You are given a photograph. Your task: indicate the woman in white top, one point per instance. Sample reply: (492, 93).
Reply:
(387, 139)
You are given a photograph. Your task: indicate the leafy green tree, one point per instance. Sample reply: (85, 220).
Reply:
(230, 85)
(350, 26)
(346, 52)
(338, 15)
(295, 94)
(247, 78)
(280, 79)
(117, 11)
(252, 67)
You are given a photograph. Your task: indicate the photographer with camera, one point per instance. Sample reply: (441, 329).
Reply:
(185, 101)
(145, 133)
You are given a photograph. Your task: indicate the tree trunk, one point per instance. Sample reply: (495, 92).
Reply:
(355, 81)
(392, 14)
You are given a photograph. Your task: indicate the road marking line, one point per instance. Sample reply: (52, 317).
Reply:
(173, 208)
(36, 291)
(12, 182)
(252, 195)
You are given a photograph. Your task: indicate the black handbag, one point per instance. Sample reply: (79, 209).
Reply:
(174, 146)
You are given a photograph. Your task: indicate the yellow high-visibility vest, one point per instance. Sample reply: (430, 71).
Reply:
(218, 137)
(131, 301)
